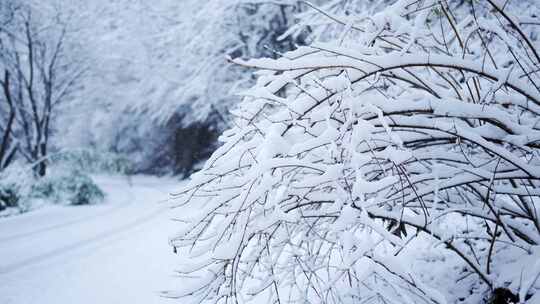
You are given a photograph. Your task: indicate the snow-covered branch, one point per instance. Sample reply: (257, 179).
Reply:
(358, 166)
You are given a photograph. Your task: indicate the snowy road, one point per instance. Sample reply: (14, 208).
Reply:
(114, 252)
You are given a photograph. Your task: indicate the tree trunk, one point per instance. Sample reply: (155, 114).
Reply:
(42, 167)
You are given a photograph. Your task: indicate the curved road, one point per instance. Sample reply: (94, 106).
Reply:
(115, 252)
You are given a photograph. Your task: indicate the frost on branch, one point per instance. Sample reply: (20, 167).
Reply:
(396, 164)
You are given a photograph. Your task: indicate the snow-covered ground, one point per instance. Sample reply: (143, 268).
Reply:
(115, 252)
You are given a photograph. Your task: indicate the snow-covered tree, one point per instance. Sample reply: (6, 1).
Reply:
(395, 163)
(41, 65)
(8, 146)
(160, 71)
(186, 54)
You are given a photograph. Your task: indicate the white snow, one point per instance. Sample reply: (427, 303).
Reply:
(115, 252)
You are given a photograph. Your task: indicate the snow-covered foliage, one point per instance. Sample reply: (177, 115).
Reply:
(395, 163)
(21, 190)
(72, 187)
(15, 187)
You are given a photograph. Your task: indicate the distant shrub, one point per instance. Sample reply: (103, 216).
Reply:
(15, 186)
(8, 197)
(83, 191)
(72, 187)
(19, 187)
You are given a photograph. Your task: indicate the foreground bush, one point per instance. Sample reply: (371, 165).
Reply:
(396, 164)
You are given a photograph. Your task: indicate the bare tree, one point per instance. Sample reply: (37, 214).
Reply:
(7, 111)
(7, 145)
(41, 71)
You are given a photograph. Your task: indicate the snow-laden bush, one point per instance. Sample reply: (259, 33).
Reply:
(398, 163)
(15, 187)
(20, 189)
(83, 190)
(71, 187)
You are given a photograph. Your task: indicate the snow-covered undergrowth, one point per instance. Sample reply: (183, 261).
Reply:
(395, 163)
(15, 189)
(72, 187)
(22, 191)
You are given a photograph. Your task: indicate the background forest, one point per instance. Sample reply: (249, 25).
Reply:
(124, 86)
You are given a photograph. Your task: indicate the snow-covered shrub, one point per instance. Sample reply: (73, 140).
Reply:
(71, 187)
(15, 187)
(397, 163)
(83, 190)
(8, 197)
